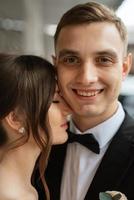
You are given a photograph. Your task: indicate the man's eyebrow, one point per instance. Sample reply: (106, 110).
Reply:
(107, 52)
(67, 52)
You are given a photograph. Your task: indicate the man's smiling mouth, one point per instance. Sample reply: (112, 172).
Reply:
(87, 93)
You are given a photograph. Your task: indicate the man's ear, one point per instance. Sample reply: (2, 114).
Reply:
(126, 66)
(13, 121)
(54, 60)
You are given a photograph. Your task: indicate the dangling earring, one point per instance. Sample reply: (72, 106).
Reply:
(21, 130)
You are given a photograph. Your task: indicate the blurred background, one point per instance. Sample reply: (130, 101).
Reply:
(28, 26)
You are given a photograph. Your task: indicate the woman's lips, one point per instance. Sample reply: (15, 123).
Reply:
(65, 125)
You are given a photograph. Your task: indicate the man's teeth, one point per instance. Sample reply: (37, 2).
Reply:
(87, 94)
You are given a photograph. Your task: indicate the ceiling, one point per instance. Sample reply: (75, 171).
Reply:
(16, 35)
(52, 10)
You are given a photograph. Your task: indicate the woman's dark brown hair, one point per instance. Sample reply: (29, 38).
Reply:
(28, 83)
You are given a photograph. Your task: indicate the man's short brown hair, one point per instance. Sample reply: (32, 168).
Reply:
(89, 13)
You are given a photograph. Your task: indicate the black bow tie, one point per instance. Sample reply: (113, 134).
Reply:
(87, 140)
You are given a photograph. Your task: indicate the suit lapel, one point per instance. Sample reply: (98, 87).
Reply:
(115, 163)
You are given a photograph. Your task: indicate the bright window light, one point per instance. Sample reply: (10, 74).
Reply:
(125, 12)
(50, 29)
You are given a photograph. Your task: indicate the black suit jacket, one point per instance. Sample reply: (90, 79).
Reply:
(116, 171)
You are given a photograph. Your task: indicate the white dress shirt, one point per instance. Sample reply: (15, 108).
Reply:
(81, 163)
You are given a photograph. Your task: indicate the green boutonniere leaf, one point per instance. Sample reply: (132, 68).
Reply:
(104, 196)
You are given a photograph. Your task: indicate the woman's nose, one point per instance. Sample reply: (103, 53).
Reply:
(66, 110)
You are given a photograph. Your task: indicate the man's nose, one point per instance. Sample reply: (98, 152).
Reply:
(87, 73)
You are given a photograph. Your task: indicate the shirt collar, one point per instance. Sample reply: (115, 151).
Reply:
(104, 131)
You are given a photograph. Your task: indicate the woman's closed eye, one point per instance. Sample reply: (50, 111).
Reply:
(55, 101)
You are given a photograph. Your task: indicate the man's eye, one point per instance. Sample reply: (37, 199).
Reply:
(104, 60)
(71, 60)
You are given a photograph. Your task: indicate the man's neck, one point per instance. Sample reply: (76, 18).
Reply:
(85, 123)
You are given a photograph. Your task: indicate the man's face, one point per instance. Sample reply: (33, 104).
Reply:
(91, 66)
